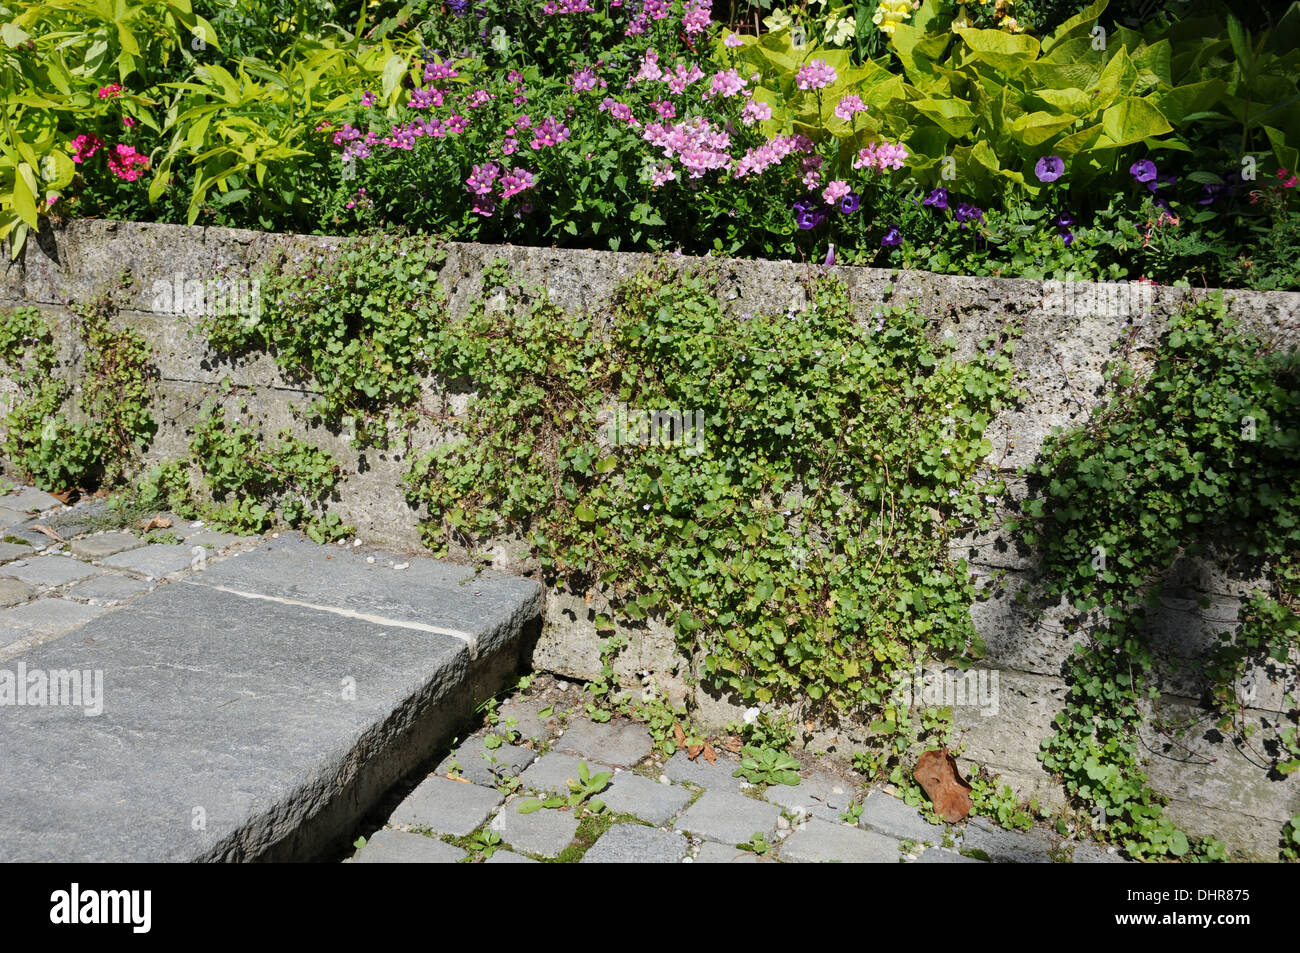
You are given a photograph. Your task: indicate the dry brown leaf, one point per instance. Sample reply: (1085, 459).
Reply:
(158, 522)
(42, 528)
(62, 495)
(693, 751)
(710, 755)
(734, 744)
(679, 735)
(457, 777)
(936, 772)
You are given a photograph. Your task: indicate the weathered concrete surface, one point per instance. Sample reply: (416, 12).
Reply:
(1060, 358)
(240, 727)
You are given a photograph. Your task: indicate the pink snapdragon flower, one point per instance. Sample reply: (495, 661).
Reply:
(835, 191)
(682, 77)
(881, 156)
(755, 111)
(848, 106)
(367, 99)
(549, 132)
(816, 75)
(515, 181)
(696, 143)
(733, 41)
(726, 83)
(482, 179)
(696, 16)
(770, 153)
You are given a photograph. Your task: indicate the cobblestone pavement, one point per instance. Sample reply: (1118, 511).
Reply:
(660, 808)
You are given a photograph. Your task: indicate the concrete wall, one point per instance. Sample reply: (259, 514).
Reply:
(1214, 787)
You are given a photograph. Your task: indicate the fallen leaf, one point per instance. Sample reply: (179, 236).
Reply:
(936, 772)
(679, 735)
(457, 777)
(158, 522)
(710, 755)
(62, 495)
(693, 751)
(42, 528)
(734, 744)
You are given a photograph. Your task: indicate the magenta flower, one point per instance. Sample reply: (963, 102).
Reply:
(549, 132)
(111, 91)
(85, 146)
(127, 164)
(367, 99)
(755, 111)
(483, 178)
(515, 181)
(848, 106)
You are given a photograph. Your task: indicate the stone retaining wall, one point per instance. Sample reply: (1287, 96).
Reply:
(1214, 787)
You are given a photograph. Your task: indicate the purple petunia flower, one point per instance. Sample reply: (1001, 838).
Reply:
(850, 203)
(1067, 237)
(968, 213)
(1211, 192)
(891, 237)
(1064, 219)
(807, 215)
(937, 199)
(1144, 170)
(1049, 168)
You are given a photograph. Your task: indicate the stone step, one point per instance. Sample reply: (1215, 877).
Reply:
(256, 710)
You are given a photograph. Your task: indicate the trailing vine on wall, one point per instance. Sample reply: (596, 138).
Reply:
(1201, 453)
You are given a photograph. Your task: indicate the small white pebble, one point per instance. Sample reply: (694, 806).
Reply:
(356, 543)
(275, 535)
(562, 686)
(196, 525)
(688, 860)
(782, 824)
(663, 779)
(370, 559)
(837, 790)
(402, 566)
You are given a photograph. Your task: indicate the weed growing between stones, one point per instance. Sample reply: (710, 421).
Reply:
(1199, 455)
(40, 436)
(799, 548)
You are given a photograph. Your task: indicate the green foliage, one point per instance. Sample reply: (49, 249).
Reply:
(359, 324)
(1198, 456)
(757, 844)
(1291, 839)
(249, 476)
(1000, 803)
(116, 389)
(800, 547)
(765, 766)
(586, 785)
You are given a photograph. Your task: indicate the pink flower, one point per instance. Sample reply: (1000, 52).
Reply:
(126, 163)
(523, 122)
(755, 111)
(457, 123)
(848, 105)
(128, 121)
(726, 83)
(682, 77)
(881, 156)
(554, 7)
(696, 143)
(664, 108)
(584, 79)
(549, 132)
(835, 191)
(437, 71)
(111, 91)
(483, 178)
(619, 111)
(479, 98)
(695, 16)
(816, 75)
(515, 181)
(649, 68)
(485, 205)
(770, 153)
(367, 99)
(85, 146)
(424, 98)
(733, 40)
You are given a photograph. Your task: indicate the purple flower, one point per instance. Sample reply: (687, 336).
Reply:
(807, 215)
(1049, 168)
(1169, 180)
(850, 203)
(1067, 237)
(1211, 192)
(937, 199)
(458, 7)
(1064, 219)
(1144, 170)
(891, 237)
(968, 213)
